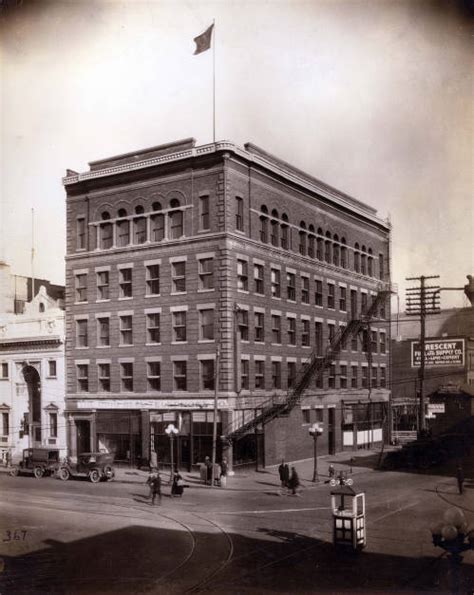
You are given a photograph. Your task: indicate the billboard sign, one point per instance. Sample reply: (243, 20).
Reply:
(439, 352)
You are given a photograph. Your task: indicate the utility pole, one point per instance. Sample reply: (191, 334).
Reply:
(421, 301)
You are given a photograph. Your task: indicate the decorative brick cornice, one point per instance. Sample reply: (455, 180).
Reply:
(30, 344)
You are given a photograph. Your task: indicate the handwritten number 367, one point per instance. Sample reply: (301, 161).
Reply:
(15, 535)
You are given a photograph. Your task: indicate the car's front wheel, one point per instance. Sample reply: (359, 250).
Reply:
(38, 472)
(94, 476)
(109, 473)
(64, 474)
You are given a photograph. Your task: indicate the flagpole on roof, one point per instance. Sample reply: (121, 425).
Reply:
(214, 83)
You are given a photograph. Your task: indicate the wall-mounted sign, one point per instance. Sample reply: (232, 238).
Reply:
(439, 352)
(436, 408)
(150, 404)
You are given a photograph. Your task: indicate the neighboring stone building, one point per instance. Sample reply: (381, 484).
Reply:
(32, 377)
(179, 256)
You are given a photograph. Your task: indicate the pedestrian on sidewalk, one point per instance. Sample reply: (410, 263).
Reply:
(460, 478)
(155, 488)
(177, 487)
(294, 482)
(207, 462)
(149, 481)
(223, 477)
(284, 473)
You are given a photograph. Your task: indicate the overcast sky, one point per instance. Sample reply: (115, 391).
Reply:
(374, 97)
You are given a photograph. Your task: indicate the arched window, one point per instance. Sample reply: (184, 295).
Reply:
(363, 261)
(156, 206)
(335, 251)
(285, 233)
(105, 215)
(264, 209)
(121, 213)
(263, 229)
(139, 230)
(174, 203)
(106, 233)
(343, 253)
(327, 248)
(157, 226)
(123, 229)
(275, 213)
(41, 307)
(370, 263)
(139, 210)
(175, 220)
(356, 258)
(274, 237)
(303, 239)
(319, 244)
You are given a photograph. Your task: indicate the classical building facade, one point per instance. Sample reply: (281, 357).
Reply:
(32, 377)
(190, 265)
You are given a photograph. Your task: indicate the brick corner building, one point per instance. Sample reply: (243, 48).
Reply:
(181, 257)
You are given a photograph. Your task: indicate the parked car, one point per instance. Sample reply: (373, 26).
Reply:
(37, 461)
(428, 452)
(96, 466)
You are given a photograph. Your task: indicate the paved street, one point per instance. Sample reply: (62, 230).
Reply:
(78, 537)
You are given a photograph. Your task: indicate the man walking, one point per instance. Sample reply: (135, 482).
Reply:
(284, 473)
(155, 485)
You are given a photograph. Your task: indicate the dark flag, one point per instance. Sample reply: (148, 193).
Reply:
(203, 41)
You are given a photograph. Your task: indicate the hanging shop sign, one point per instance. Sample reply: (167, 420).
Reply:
(439, 352)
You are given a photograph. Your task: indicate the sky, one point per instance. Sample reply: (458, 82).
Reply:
(374, 97)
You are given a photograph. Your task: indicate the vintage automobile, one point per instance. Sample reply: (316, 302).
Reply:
(428, 452)
(37, 461)
(97, 466)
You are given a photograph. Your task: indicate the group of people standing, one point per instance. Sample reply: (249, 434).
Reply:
(220, 472)
(154, 482)
(289, 481)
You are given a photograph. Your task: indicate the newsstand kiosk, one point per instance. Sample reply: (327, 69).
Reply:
(348, 510)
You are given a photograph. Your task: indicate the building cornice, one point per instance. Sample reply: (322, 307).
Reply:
(29, 344)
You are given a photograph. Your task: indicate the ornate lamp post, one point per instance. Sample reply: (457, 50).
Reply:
(172, 432)
(315, 430)
(451, 535)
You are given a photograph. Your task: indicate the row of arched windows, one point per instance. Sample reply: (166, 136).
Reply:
(139, 227)
(315, 243)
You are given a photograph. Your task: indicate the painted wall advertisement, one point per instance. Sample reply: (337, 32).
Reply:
(444, 352)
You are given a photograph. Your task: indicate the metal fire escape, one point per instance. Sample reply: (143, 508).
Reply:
(313, 368)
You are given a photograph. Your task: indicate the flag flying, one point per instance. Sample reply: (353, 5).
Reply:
(203, 41)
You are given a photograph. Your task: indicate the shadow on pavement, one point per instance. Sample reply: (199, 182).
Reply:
(132, 559)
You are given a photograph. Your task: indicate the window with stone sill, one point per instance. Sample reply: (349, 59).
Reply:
(180, 375)
(206, 273)
(126, 330)
(125, 282)
(242, 275)
(178, 276)
(103, 288)
(103, 375)
(81, 287)
(153, 327)
(126, 376)
(207, 374)
(179, 326)
(154, 376)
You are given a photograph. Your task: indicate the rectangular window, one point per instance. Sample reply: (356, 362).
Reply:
(365, 377)
(381, 267)
(274, 229)
(342, 299)
(244, 374)
(180, 375)
(140, 231)
(82, 378)
(305, 290)
(176, 224)
(285, 237)
(258, 277)
(276, 283)
(207, 374)
(52, 368)
(291, 374)
(331, 296)
(206, 325)
(103, 331)
(276, 329)
(259, 374)
(383, 377)
(343, 376)
(103, 374)
(5, 424)
(125, 282)
(242, 275)
(305, 333)
(123, 232)
(291, 327)
(291, 286)
(81, 287)
(178, 276)
(373, 341)
(126, 330)
(179, 326)
(206, 273)
(4, 370)
(319, 414)
(103, 285)
(342, 328)
(331, 332)
(365, 341)
(153, 327)
(239, 214)
(259, 322)
(332, 376)
(157, 228)
(318, 292)
(383, 342)
(126, 376)
(243, 324)
(82, 338)
(53, 425)
(363, 305)
(154, 376)
(153, 279)
(276, 375)
(204, 221)
(106, 236)
(81, 234)
(354, 377)
(343, 257)
(374, 376)
(318, 337)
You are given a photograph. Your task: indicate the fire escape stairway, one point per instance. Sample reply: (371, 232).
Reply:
(313, 368)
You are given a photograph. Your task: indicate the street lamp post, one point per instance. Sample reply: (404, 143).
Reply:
(315, 430)
(172, 432)
(451, 534)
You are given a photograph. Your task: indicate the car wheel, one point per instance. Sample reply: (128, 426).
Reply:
(94, 476)
(64, 474)
(15, 472)
(108, 473)
(38, 472)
